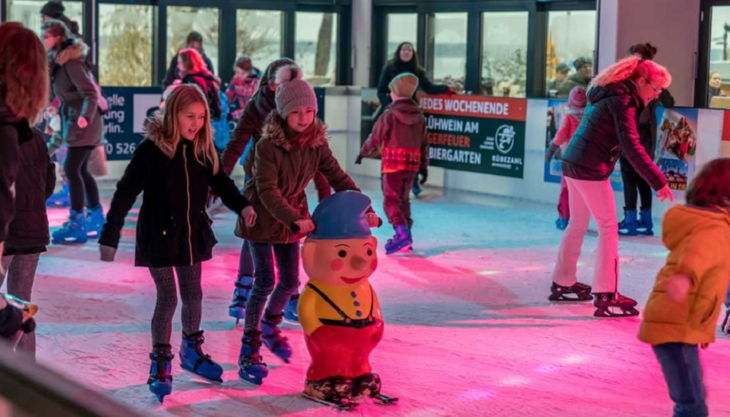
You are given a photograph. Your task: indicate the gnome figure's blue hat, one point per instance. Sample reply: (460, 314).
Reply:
(342, 216)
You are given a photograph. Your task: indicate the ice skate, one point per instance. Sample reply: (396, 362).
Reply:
(627, 226)
(73, 231)
(250, 366)
(725, 326)
(194, 360)
(609, 304)
(645, 224)
(333, 392)
(290, 310)
(61, 198)
(273, 339)
(160, 379)
(368, 385)
(561, 223)
(94, 221)
(401, 241)
(237, 309)
(576, 292)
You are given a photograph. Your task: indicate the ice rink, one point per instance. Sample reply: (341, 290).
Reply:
(469, 330)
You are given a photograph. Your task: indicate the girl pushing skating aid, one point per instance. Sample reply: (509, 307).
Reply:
(174, 166)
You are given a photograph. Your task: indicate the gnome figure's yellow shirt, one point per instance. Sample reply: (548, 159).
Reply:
(357, 302)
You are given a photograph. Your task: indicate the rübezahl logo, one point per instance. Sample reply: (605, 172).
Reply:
(505, 139)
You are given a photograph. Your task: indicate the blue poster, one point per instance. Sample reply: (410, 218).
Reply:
(123, 122)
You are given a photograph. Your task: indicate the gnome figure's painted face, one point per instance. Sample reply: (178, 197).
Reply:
(340, 262)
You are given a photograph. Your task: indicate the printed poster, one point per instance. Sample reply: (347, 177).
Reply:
(677, 145)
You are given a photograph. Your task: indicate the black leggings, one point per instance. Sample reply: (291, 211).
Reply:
(191, 294)
(634, 185)
(79, 179)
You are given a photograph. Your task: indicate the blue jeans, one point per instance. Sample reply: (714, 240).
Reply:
(683, 372)
(286, 256)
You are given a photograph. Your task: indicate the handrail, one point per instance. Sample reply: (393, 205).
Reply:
(40, 391)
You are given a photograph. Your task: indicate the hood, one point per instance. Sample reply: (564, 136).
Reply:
(682, 221)
(154, 132)
(406, 111)
(76, 50)
(597, 93)
(273, 131)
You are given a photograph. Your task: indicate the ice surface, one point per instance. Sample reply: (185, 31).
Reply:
(469, 330)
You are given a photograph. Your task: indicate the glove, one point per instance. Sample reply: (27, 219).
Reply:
(424, 175)
(358, 160)
(107, 253)
(552, 150)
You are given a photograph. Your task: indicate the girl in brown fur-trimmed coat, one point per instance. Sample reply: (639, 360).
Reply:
(81, 128)
(292, 149)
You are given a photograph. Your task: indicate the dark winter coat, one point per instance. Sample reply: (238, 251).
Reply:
(248, 127)
(77, 92)
(392, 69)
(13, 132)
(172, 73)
(401, 134)
(28, 231)
(608, 130)
(647, 127)
(173, 228)
(282, 169)
(574, 80)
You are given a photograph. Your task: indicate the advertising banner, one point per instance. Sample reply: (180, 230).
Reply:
(725, 147)
(476, 134)
(676, 145)
(128, 108)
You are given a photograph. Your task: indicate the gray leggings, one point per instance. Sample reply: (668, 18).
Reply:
(191, 294)
(21, 272)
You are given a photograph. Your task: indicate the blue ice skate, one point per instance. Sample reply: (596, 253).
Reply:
(237, 309)
(73, 231)
(401, 242)
(273, 339)
(290, 310)
(61, 198)
(561, 223)
(160, 379)
(645, 224)
(627, 226)
(94, 221)
(250, 366)
(194, 360)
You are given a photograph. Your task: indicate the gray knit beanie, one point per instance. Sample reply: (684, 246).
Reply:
(293, 94)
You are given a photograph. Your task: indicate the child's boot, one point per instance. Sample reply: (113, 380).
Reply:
(237, 309)
(160, 379)
(645, 223)
(627, 226)
(273, 339)
(194, 360)
(401, 241)
(94, 221)
(73, 231)
(250, 366)
(290, 310)
(60, 198)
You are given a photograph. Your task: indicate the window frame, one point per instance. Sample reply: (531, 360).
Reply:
(537, 33)
(226, 25)
(702, 66)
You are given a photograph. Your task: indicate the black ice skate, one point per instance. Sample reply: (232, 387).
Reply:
(610, 304)
(368, 385)
(576, 292)
(333, 392)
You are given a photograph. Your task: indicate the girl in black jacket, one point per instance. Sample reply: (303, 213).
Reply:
(174, 166)
(607, 131)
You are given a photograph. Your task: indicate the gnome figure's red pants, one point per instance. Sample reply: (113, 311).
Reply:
(342, 351)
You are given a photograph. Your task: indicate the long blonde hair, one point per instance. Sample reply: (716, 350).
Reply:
(182, 97)
(23, 71)
(631, 68)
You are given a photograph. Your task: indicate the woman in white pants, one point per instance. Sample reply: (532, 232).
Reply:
(607, 131)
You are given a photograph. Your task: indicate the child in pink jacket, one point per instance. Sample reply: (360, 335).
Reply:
(576, 105)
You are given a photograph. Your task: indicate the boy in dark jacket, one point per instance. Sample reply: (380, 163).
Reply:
(400, 137)
(28, 231)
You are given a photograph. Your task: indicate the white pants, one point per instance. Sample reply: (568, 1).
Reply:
(588, 198)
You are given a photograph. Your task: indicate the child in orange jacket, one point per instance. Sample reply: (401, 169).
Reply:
(576, 105)
(685, 303)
